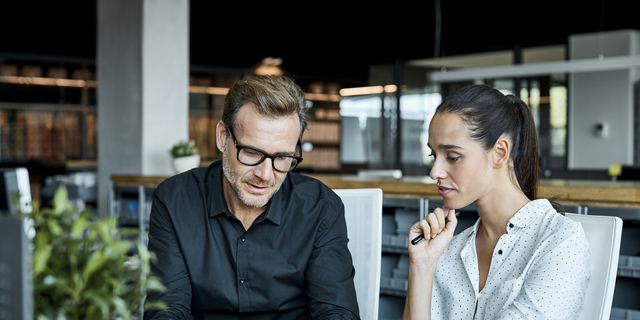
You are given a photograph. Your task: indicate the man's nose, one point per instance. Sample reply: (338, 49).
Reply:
(264, 170)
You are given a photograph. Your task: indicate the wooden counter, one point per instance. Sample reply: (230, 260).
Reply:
(571, 192)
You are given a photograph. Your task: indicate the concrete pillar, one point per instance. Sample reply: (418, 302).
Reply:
(143, 82)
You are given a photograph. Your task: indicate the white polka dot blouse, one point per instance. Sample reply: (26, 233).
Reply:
(539, 270)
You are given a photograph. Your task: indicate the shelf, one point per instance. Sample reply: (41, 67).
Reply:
(222, 91)
(32, 106)
(624, 314)
(47, 132)
(394, 244)
(394, 287)
(629, 267)
(323, 145)
(626, 214)
(43, 81)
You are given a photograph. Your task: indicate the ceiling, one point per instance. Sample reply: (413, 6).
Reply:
(326, 40)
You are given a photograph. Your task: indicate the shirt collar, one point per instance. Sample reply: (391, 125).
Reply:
(528, 214)
(219, 204)
(525, 216)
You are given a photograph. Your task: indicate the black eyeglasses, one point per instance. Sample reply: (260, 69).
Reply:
(252, 157)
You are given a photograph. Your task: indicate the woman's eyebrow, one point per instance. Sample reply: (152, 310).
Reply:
(449, 147)
(446, 147)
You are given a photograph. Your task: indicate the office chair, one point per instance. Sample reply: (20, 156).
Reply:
(363, 213)
(603, 234)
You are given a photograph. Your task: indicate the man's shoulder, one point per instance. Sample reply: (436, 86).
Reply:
(311, 189)
(193, 178)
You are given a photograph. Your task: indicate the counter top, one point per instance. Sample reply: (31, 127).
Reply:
(570, 192)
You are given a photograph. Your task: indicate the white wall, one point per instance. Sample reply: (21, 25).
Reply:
(602, 97)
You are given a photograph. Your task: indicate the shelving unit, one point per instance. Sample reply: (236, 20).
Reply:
(323, 132)
(398, 215)
(624, 314)
(46, 117)
(48, 112)
(47, 120)
(629, 267)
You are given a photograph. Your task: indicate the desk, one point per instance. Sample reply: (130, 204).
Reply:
(572, 192)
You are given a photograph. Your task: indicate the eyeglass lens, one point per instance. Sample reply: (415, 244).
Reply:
(252, 157)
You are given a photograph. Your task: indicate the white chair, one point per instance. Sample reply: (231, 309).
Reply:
(363, 213)
(603, 234)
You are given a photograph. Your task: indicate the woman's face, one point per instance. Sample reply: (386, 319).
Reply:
(461, 166)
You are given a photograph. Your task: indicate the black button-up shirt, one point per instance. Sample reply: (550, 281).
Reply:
(292, 263)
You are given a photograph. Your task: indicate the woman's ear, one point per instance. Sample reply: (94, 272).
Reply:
(221, 136)
(501, 151)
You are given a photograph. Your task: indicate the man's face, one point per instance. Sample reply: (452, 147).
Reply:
(246, 186)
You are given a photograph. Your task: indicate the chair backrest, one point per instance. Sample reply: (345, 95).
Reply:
(603, 234)
(363, 213)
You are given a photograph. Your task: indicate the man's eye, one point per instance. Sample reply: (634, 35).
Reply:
(251, 152)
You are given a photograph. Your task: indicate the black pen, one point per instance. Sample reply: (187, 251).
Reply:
(419, 238)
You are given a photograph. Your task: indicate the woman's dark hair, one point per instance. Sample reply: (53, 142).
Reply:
(490, 114)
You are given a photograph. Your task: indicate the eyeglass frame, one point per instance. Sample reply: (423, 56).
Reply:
(266, 154)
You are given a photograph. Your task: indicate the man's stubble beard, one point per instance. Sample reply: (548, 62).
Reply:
(230, 175)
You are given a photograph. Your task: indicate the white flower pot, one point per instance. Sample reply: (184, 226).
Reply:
(183, 164)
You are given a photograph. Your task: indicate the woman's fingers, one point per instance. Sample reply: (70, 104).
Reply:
(452, 220)
(434, 223)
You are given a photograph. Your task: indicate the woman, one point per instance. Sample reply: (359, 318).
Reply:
(522, 259)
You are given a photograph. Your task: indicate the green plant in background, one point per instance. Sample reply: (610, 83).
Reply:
(84, 269)
(183, 149)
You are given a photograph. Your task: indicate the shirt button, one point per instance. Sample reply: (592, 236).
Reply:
(510, 225)
(499, 251)
(241, 281)
(242, 239)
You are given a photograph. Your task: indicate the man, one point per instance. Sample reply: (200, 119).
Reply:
(246, 238)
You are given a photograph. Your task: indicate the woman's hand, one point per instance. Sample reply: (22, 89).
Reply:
(437, 234)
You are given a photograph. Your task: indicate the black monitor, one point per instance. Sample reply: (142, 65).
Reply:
(16, 270)
(16, 234)
(14, 182)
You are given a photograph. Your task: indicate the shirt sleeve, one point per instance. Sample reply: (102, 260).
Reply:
(556, 287)
(170, 265)
(330, 270)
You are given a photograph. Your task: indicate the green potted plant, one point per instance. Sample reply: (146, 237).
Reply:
(185, 156)
(84, 268)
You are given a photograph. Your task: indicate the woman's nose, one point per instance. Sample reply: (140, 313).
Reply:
(437, 172)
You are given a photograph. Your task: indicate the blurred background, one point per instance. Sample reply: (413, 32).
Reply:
(94, 94)
(370, 72)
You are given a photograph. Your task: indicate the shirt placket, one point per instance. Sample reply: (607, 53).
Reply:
(470, 262)
(242, 267)
(499, 256)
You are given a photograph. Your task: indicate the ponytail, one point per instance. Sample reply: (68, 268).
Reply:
(525, 154)
(526, 160)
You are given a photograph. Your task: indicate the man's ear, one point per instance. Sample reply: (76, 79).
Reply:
(221, 136)
(501, 150)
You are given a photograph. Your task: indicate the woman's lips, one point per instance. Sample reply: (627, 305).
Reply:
(442, 191)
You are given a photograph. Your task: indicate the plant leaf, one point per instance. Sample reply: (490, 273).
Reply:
(60, 199)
